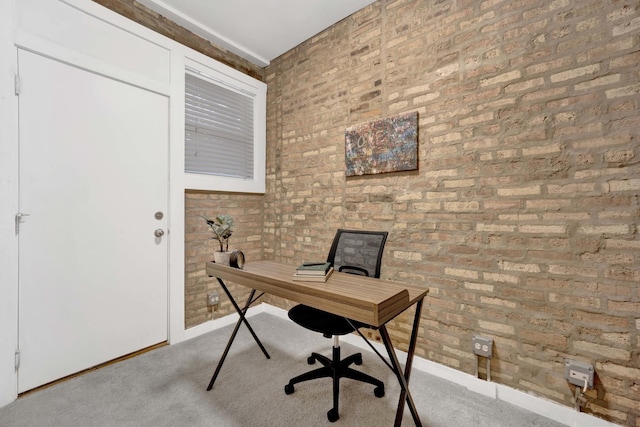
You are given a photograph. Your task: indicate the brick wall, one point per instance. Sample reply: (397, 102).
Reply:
(246, 210)
(523, 217)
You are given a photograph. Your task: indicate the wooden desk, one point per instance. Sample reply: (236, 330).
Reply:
(370, 301)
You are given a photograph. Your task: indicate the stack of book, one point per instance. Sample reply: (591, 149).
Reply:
(313, 271)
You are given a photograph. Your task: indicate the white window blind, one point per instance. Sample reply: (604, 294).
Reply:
(219, 129)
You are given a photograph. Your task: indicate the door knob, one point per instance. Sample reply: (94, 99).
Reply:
(159, 232)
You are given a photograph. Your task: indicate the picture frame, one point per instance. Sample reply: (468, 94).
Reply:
(382, 146)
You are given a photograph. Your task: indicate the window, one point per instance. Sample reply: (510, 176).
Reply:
(224, 132)
(218, 130)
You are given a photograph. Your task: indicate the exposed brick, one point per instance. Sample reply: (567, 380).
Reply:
(544, 229)
(469, 274)
(573, 271)
(606, 352)
(501, 278)
(624, 185)
(544, 338)
(514, 266)
(624, 306)
(604, 229)
(575, 73)
(519, 191)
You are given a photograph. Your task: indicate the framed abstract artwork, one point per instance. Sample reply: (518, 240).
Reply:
(382, 146)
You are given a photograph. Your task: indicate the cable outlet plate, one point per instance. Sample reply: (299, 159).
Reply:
(577, 373)
(213, 298)
(482, 346)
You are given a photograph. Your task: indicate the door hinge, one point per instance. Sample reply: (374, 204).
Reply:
(17, 359)
(19, 217)
(16, 84)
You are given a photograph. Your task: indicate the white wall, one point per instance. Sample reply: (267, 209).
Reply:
(85, 34)
(8, 206)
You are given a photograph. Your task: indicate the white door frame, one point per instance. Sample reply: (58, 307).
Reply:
(8, 205)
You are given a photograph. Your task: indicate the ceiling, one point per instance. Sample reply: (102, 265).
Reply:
(257, 30)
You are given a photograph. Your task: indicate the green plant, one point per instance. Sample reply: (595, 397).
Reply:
(221, 227)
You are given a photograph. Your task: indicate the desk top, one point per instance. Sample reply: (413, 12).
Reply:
(368, 300)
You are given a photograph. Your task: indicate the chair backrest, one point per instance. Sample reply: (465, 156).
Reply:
(358, 252)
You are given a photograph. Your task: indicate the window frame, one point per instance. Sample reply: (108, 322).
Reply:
(234, 80)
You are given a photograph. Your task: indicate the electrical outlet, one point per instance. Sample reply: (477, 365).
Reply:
(213, 298)
(482, 346)
(579, 373)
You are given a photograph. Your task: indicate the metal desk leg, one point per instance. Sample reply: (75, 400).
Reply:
(241, 313)
(405, 394)
(242, 319)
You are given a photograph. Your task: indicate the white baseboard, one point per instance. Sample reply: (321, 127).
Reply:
(560, 413)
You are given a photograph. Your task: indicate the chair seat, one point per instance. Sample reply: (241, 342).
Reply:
(320, 321)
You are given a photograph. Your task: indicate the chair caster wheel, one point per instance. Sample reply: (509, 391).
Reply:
(311, 360)
(358, 360)
(288, 389)
(332, 415)
(379, 391)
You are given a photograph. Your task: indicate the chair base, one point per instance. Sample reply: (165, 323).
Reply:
(336, 369)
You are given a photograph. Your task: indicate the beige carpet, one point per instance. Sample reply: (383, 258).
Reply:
(167, 387)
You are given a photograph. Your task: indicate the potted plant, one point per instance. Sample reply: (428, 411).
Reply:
(221, 227)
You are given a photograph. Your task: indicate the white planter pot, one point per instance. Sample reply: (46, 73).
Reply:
(221, 257)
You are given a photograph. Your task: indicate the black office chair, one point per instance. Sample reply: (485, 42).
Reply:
(355, 252)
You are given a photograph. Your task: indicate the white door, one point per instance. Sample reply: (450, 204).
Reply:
(93, 173)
